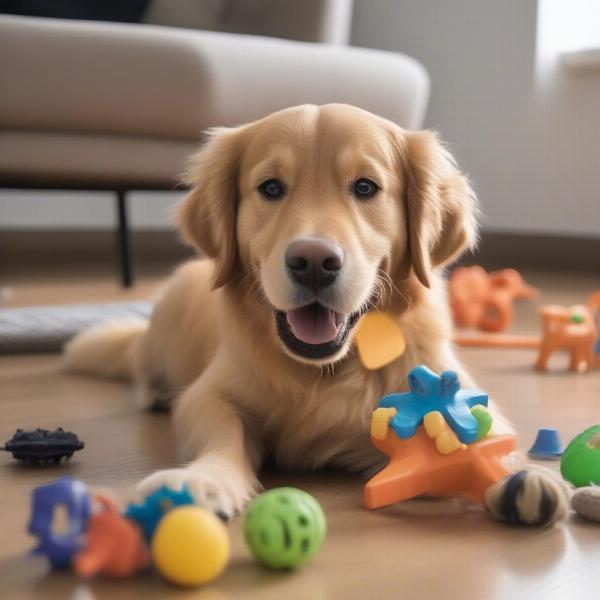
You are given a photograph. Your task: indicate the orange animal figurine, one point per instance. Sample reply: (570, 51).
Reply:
(115, 545)
(436, 436)
(572, 329)
(485, 300)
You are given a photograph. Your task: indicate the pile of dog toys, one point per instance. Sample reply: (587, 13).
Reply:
(484, 301)
(439, 441)
(187, 545)
(579, 465)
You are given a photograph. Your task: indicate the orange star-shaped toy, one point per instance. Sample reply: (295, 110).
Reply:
(416, 467)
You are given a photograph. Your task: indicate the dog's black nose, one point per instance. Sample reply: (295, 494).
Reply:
(314, 262)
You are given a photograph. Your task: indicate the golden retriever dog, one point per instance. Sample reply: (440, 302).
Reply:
(307, 219)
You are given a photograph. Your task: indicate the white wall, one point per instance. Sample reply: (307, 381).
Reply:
(526, 129)
(532, 150)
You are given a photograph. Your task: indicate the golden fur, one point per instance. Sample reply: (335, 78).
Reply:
(212, 342)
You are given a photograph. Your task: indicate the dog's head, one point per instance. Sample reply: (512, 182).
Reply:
(325, 208)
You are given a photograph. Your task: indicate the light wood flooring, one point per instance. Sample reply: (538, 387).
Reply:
(406, 551)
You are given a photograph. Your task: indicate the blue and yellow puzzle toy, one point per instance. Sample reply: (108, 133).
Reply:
(432, 393)
(436, 436)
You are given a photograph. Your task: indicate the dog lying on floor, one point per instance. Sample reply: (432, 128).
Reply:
(308, 217)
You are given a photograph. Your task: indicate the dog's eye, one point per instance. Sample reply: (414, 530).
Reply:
(272, 189)
(364, 189)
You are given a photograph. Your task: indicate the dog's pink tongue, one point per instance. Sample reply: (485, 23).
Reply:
(313, 324)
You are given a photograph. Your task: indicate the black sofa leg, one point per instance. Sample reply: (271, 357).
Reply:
(124, 240)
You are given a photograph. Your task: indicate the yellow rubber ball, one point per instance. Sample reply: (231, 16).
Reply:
(190, 546)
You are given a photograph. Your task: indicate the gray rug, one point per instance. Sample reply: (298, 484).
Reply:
(47, 328)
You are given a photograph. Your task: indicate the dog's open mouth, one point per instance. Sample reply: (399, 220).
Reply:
(314, 331)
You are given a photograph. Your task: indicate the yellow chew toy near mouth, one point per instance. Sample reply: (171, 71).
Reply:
(379, 340)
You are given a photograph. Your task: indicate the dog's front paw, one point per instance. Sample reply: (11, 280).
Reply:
(214, 487)
(530, 497)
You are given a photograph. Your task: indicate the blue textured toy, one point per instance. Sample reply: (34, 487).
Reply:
(155, 506)
(431, 392)
(75, 497)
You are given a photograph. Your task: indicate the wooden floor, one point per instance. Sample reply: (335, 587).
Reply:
(421, 549)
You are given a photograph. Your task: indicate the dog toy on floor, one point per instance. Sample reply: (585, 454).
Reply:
(437, 439)
(73, 496)
(114, 544)
(41, 446)
(580, 462)
(284, 527)
(572, 329)
(190, 546)
(186, 544)
(485, 300)
(586, 503)
(154, 507)
(547, 445)
(442, 394)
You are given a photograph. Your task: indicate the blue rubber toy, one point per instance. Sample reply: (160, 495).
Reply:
(155, 506)
(431, 392)
(546, 445)
(75, 497)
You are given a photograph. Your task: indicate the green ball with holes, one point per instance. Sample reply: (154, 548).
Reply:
(284, 527)
(580, 462)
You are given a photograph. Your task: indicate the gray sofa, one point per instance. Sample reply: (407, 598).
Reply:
(93, 105)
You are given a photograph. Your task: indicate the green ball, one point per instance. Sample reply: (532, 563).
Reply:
(580, 462)
(284, 527)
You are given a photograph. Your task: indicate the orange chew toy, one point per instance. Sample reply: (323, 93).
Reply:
(485, 300)
(572, 329)
(379, 340)
(416, 467)
(497, 340)
(115, 545)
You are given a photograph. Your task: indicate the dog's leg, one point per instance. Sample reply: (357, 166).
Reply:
(153, 393)
(222, 474)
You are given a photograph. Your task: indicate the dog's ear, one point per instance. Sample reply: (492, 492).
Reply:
(207, 216)
(441, 207)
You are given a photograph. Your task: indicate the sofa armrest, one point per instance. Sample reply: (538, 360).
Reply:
(252, 77)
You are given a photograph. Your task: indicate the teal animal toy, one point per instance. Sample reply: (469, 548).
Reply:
(154, 507)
